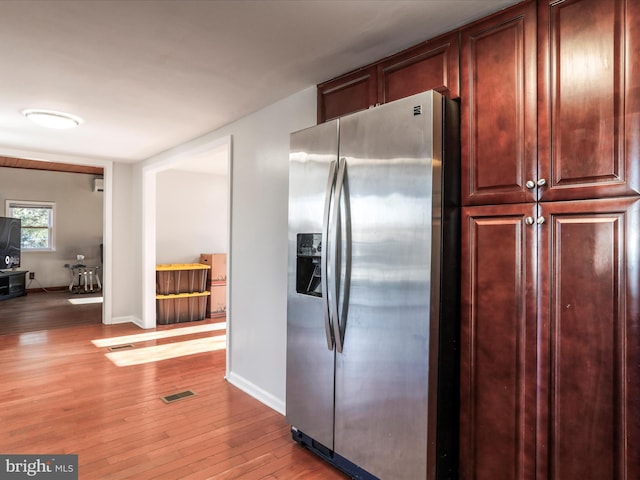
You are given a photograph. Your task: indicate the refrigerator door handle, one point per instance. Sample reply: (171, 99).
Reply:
(341, 238)
(324, 260)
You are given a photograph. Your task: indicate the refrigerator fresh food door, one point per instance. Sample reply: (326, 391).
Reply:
(392, 166)
(310, 346)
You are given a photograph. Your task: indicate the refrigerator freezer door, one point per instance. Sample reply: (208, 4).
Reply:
(310, 361)
(383, 392)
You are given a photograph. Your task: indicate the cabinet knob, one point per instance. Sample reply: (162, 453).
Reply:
(530, 184)
(529, 220)
(540, 220)
(542, 182)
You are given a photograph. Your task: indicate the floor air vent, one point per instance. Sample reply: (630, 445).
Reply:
(178, 396)
(116, 348)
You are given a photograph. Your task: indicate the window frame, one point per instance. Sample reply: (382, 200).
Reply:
(51, 206)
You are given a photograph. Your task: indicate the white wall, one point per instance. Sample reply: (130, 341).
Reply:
(259, 217)
(258, 247)
(78, 219)
(123, 252)
(191, 215)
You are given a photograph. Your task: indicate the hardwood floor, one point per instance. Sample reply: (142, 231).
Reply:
(39, 311)
(61, 394)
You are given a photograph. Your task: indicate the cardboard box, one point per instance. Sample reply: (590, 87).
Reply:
(218, 301)
(218, 264)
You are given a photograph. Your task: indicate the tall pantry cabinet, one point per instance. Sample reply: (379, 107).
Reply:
(550, 333)
(550, 145)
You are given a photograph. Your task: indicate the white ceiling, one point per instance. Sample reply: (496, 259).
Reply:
(147, 75)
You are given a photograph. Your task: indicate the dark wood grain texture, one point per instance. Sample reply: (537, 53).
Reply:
(432, 65)
(347, 94)
(588, 98)
(50, 166)
(588, 333)
(40, 310)
(498, 113)
(498, 343)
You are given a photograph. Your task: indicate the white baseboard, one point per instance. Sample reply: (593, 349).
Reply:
(256, 392)
(126, 319)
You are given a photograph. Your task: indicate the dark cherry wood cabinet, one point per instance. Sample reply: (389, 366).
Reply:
(550, 247)
(565, 129)
(498, 343)
(550, 340)
(589, 98)
(432, 65)
(349, 93)
(589, 339)
(498, 108)
(550, 329)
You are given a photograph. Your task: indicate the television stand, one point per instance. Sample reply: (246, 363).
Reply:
(13, 283)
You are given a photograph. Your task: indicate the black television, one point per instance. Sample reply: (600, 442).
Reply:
(9, 242)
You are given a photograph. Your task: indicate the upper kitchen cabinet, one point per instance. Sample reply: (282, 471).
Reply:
(589, 98)
(348, 93)
(432, 65)
(498, 109)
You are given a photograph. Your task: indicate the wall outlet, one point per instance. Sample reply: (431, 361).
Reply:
(32, 275)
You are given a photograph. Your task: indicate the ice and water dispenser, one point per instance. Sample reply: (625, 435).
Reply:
(308, 270)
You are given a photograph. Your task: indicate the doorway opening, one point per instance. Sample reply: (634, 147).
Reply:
(82, 217)
(186, 201)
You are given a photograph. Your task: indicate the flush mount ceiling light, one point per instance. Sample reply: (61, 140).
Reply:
(52, 119)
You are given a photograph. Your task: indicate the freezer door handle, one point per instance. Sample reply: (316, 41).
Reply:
(340, 255)
(325, 254)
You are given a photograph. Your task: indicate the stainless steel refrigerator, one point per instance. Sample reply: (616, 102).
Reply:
(372, 328)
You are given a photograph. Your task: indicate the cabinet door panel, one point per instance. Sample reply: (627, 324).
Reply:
(589, 340)
(498, 343)
(347, 94)
(498, 88)
(433, 65)
(588, 95)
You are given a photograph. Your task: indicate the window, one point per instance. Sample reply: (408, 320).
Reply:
(38, 232)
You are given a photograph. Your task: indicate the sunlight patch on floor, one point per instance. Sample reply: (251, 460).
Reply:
(85, 300)
(143, 337)
(164, 352)
(33, 338)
